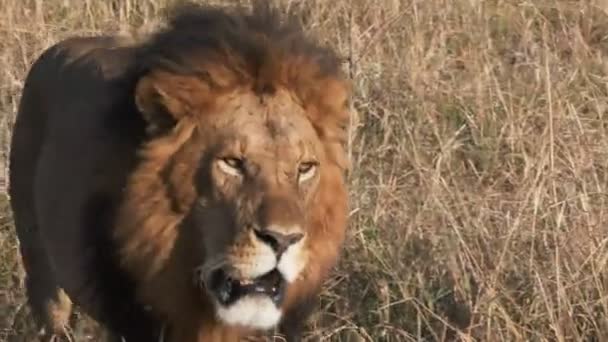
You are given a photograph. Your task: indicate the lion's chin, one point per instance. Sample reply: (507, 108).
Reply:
(252, 311)
(254, 303)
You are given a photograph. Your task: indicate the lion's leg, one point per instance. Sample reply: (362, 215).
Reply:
(130, 324)
(57, 312)
(50, 305)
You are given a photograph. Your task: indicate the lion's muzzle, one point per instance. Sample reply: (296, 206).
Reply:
(228, 287)
(251, 279)
(265, 269)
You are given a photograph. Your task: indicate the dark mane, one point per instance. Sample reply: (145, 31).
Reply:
(256, 44)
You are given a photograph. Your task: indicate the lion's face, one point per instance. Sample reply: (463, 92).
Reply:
(254, 186)
(238, 207)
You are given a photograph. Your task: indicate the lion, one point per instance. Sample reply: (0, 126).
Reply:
(189, 186)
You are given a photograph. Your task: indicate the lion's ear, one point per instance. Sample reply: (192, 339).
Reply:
(164, 98)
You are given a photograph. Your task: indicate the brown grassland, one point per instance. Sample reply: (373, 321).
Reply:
(480, 163)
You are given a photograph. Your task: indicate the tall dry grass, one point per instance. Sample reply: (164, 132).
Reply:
(480, 154)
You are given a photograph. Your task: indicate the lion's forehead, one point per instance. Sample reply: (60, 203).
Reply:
(273, 126)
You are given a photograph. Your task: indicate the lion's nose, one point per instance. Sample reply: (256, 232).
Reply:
(278, 240)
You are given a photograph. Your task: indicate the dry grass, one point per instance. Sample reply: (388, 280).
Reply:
(479, 190)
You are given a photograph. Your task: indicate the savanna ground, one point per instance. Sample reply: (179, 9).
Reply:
(480, 163)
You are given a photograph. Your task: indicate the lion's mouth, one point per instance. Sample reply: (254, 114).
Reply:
(228, 290)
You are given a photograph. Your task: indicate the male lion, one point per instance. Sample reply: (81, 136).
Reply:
(192, 180)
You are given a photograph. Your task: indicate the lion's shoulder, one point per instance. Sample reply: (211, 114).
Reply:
(103, 57)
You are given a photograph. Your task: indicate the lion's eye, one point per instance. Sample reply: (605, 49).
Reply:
(306, 170)
(232, 166)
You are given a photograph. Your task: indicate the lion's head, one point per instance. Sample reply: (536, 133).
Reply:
(237, 208)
